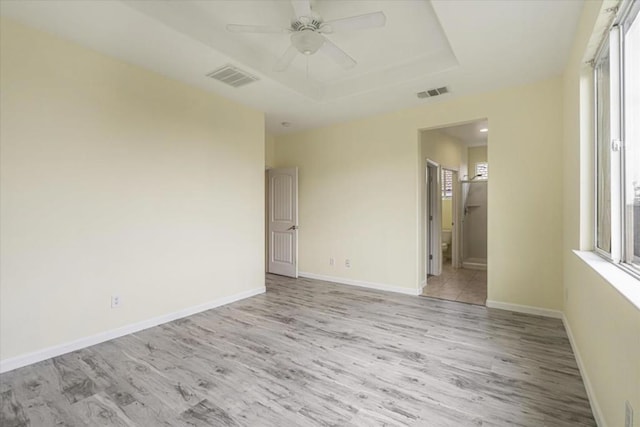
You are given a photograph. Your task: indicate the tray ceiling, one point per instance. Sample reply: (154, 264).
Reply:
(469, 46)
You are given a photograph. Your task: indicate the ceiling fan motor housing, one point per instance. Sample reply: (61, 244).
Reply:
(306, 41)
(306, 23)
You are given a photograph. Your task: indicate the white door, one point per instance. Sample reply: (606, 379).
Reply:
(283, 222)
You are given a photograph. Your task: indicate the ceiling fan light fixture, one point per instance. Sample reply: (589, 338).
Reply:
(307, 42)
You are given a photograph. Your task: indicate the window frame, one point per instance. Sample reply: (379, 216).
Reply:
(622, 252)
(603, 50)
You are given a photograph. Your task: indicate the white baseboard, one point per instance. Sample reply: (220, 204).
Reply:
(422, 285)
(595, 408)
(557, 314)
(361, 283)
(57, 350)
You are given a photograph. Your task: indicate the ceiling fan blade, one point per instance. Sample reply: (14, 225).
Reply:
(301, 8)
(338, 55)
(239, 28)
(358, 22)
(286, 59)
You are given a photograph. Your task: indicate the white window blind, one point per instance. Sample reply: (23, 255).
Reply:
(482, 170)
(447, 183)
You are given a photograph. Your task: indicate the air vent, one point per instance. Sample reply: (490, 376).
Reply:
(232, 76)
(433, 92)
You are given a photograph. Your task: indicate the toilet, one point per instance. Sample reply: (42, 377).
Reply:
(446, 244)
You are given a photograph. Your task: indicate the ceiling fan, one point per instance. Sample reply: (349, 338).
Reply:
(307, 29)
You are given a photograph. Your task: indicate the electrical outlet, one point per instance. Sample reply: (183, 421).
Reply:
(332, 261)
(628, 414)
(347, 263)
(115, 301)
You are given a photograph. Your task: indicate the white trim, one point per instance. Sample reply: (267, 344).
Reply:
(422, 285)
(470, 265)
(595, 408)
(433, 240)
(362, 284)
(557, 314)
(57, 350)
(615, 156)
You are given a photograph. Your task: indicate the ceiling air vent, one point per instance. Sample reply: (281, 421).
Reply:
(433, 92)
(232, 76)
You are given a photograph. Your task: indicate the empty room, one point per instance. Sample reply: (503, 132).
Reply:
(320, 212)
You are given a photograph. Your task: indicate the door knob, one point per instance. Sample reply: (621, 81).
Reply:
(293, 227)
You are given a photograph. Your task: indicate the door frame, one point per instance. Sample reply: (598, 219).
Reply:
(433, 219)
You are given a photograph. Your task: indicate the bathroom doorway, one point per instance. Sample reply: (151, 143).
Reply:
(455, 227)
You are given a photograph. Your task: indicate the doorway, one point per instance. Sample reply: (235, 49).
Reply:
(455, 212)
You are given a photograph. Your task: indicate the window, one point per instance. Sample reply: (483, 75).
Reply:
(482, 170)
(447, 183)
(631, 77)
(617, 109)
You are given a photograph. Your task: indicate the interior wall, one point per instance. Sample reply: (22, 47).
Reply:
(443, 149)
(605, 325)
(447, 214)
(117, 181)
(356, 185)
(476, 155)
(269, 151)
(360, 192)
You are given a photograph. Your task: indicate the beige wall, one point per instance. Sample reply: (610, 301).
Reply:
(356, 199)
(269, 150)
(476, 155)
(447, 214)
(360, 192)
(116, 180)
(605, 325)
(443, 149)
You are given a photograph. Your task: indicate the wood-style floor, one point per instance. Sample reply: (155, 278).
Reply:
(311, 353)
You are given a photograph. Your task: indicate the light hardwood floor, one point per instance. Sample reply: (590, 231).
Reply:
(311, 353)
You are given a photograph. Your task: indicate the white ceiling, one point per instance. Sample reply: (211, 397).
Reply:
(468, 45)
